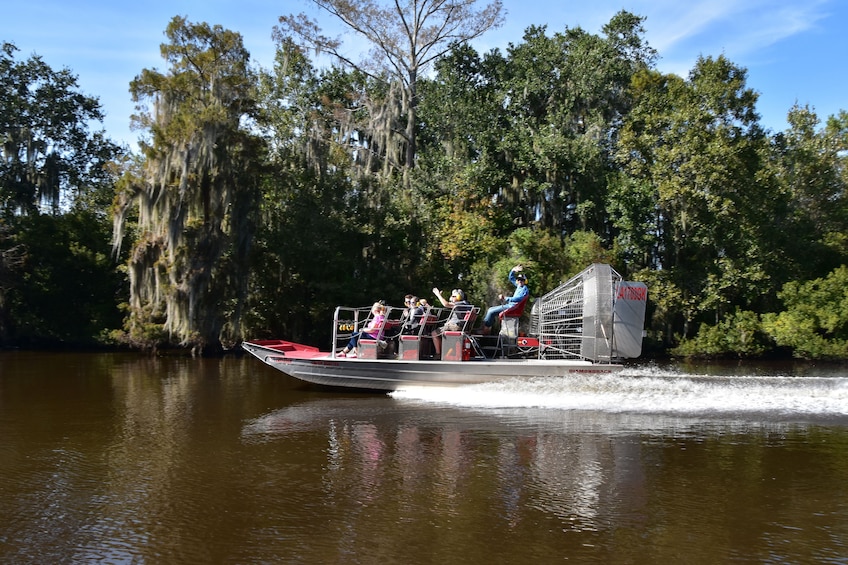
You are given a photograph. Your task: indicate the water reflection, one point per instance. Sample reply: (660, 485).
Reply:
(524, 461)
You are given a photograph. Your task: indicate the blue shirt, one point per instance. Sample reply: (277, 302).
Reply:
(521, 291)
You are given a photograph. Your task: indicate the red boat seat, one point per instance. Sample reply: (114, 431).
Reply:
(516, 310)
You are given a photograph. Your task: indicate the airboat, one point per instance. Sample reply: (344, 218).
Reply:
(587, 325)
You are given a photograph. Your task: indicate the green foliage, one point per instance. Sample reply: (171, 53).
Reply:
(467, 221)
(69, 289)
(562, 97)
(48, 152)
(633, 210)
(808, 165)
(814, 323)
(667, 307)
(696, 149)
(585, 248)
(148, 335)
(57, 282)
(544, 256)
(738, 335)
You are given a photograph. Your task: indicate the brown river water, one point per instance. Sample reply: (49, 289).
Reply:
(117, 458)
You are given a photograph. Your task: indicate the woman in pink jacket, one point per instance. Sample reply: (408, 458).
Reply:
(371, 331)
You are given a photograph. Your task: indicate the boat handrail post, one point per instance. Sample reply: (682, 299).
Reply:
(335, 341)
(337, 319)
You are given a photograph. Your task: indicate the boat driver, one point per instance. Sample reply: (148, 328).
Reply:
(519, 281)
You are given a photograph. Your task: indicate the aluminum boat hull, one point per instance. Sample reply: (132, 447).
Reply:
(321, 368)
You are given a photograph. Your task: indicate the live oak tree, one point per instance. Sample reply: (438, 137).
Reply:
(198, 193)
(538, 123)
(564, 96)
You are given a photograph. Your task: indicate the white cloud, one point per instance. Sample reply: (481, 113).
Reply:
(682, 32)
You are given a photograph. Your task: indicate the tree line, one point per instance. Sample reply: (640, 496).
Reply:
(262, 198)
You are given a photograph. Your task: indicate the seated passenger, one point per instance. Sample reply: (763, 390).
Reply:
(415, 310)
(371, 331)
(454, 322)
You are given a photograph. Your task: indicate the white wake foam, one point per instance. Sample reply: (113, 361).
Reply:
(654, 390)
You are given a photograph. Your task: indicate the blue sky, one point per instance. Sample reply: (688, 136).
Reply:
(794, 50)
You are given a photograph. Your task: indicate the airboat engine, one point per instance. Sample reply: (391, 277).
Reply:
(594, 315)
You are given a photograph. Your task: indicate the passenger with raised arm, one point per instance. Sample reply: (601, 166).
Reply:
(517, 278)
(459, 309)
(371, 331)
